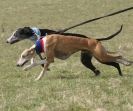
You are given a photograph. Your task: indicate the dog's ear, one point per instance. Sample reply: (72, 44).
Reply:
(27, 31)
(31, 50)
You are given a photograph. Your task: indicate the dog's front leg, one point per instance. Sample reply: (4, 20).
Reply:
(32, 61)
(33, 64)
(43, 71)
(29, 66)
(50, 58)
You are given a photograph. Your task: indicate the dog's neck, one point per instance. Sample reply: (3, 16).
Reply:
(45, 32)
(36, 31)
(40, 33)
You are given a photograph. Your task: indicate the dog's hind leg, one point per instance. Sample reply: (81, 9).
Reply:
(116, 65)
(86, 61)
(124, 61)
(104, 56)
(108, 58)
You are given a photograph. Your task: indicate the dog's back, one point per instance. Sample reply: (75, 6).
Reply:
(70, 43)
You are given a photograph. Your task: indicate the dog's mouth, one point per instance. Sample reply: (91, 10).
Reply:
(21, 65)
(12, 42)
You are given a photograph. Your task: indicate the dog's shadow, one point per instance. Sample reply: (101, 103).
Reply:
(115, 76)
(65, 77)
(70, 77)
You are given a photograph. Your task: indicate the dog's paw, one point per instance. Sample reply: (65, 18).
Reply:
(127, 63)
(48, 69)
(25, 68)
(97, 72)
(37, 79)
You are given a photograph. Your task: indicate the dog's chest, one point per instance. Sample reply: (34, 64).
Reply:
(61, 55)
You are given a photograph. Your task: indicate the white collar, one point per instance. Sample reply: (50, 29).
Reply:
(36, 32)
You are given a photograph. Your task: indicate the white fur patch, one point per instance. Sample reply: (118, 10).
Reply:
(44, 41)
(11, 37)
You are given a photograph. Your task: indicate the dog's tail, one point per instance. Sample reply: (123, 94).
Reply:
(111, 36)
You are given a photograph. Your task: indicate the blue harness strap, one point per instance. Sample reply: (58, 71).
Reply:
(39, 46)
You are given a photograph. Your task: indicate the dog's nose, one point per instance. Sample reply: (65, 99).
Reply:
(7, 41)
(18, 65)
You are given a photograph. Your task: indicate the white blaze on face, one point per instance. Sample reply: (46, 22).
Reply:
(12, 38)
(25, 56)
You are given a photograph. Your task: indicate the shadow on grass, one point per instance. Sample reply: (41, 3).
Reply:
(116, 76)
(67, 77)
(89, 76)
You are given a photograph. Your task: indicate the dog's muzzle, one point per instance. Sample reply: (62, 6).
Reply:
(12, 39)
(12, 42)
(21, 65)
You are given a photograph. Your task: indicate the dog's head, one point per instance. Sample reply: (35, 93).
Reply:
(20, 34)
(26, 56)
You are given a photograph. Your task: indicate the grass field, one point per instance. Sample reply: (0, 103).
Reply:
(69, 86)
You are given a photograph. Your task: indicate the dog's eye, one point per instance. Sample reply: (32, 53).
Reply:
(23, 56)
(15, 34)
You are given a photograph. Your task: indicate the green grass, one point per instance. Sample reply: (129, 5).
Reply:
(69, 86)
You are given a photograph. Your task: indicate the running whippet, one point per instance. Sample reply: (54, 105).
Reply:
(63, 47)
